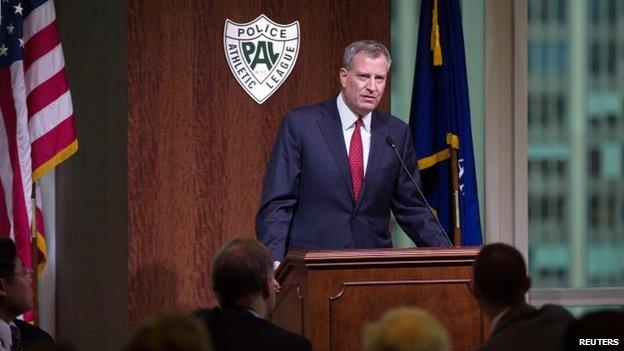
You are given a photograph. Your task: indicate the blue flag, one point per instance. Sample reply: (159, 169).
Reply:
(440, 117)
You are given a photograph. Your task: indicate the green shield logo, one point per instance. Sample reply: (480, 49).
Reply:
(261, 54)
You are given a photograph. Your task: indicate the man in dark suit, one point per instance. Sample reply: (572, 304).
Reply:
(499, 284)
(332, 178)
(16, 297)
(242, 279)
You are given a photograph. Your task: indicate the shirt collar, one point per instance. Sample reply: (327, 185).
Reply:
(348, 118)
(253, 312)
(498, 317)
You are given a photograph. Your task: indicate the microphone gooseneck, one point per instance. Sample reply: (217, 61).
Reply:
(392, 144)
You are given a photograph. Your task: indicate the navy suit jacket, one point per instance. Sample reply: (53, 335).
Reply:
(525, 327)
(236, 329)
(307, 200)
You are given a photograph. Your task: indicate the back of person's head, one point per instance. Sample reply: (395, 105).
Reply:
(241, 269)
(596, 330)
(500, 275)
(406, 329)
(8, 256)
(170, 332)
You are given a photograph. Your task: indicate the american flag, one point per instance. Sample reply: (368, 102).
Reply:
(37, 130)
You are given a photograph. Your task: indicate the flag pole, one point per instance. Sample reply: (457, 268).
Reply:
(34, 257)
(453, 143)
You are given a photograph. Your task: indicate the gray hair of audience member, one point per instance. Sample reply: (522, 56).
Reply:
(406, 329)
(370, 47)
(8, 256)
(607, 324)
(241, 269)
(500, 274)
(170, 332)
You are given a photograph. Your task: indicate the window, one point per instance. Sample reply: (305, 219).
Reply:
(572, 150)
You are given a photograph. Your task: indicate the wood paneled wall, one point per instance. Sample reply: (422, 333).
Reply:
(198, 144)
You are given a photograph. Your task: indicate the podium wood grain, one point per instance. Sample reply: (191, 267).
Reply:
(340, 292)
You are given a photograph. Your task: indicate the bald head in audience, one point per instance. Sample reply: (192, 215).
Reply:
(406, 329)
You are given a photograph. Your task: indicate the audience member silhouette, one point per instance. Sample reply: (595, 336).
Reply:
(16, 297)
(243, 281)
(499, 284)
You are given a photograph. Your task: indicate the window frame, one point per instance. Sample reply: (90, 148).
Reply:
(506, 173)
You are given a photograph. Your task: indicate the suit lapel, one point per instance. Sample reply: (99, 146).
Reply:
(331, 128)
(377, 147)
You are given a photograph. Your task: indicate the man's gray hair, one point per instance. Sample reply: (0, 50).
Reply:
(372, 49)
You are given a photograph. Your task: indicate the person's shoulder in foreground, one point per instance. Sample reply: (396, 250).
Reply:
(499, 284)
(235, 328)
(244, 284)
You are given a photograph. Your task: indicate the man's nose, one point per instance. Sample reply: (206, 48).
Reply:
(371, 85)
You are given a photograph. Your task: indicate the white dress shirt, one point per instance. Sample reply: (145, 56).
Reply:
(5, 336)
(497, 318)
(348, 119)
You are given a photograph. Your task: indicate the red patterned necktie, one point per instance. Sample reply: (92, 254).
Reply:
(356, 159)
(15, 339)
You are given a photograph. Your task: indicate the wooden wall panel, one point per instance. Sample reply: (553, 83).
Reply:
(198, 144)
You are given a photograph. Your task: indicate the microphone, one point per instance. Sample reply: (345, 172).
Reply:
(391, 143)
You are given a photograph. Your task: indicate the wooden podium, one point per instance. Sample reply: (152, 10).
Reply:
(329, 296)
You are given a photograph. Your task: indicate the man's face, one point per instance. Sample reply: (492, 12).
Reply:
(364, 82)
(17, 291)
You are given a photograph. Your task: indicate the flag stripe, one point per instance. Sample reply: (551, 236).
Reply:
(20, 183)
(40, 44)
(59, 157)
(46, 93)
(38, 19)
(6, 180)
(51, 116)
(5, 224)
(54, 147)
(44, 68)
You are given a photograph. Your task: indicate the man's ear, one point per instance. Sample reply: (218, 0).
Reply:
(343, 77)
(526, 284)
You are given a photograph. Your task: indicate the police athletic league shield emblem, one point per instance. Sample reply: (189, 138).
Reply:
(261, 54)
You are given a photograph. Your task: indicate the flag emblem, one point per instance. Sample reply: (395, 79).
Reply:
(261, 54)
